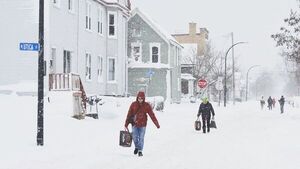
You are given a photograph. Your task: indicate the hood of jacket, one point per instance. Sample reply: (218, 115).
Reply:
(142, 95)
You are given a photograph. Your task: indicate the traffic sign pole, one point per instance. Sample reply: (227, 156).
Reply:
(40, 113)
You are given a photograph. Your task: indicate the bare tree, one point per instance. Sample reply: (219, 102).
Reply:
(289, 40)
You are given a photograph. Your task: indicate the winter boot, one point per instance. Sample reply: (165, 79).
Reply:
(135, 151)
(204, 129)
(208, 129)
(140, 154)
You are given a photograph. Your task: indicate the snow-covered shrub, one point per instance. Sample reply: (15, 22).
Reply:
(156, 102)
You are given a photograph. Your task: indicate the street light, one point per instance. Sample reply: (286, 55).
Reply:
(225, 78)
(247, 80)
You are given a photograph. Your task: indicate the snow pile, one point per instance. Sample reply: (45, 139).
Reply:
(246, 138)
(22, 88)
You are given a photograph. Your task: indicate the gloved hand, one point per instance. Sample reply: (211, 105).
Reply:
(213, 118)
(158, 126)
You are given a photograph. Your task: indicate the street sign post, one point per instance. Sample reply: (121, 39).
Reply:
(219, 87)
(150, 73)
(29, 46)
(219, 84)
(202, 83)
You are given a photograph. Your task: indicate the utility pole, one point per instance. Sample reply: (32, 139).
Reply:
(225, 78)
(233, 71)
(40, 113)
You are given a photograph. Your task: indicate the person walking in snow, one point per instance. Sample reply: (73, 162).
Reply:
(262, 102)
(270, 101)
(206, 110)
(273, 102)
(137, 116)
(281, 103)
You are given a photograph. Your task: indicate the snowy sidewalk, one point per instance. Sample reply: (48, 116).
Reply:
(246, 138)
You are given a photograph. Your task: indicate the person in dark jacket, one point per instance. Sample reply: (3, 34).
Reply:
(137, 116)
(281, 103)
(270, 101)
(262, 102)
(206, 110)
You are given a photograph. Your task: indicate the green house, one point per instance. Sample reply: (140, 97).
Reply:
(153, 59)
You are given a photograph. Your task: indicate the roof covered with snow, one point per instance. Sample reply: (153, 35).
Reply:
(156, 27)
(187, 76)
(121, 3)
(148, 65)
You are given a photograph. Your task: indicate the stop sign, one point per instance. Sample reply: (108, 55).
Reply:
(202, 83)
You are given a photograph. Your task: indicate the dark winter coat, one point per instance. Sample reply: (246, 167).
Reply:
(281, 101)
(270, 101)
(137, 113)
(206, 110)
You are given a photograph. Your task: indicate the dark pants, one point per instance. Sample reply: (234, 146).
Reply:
(281, 108)
(205, 122)
(270, 106)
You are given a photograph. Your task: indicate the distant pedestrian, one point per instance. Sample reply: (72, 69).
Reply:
(137, 116)
(270, 103)
(206, 110)
(273, 102)
(281, 103)
(262, 102)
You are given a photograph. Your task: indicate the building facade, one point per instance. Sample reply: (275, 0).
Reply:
(154, 59)
(194, 44)
(83, 37)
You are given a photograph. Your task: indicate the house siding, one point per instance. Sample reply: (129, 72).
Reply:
(175, 74)
(163, 79)
(64, 30)
(156, 86)
(148, 35)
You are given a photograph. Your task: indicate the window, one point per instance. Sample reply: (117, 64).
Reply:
(67, 61)
(52, 62)
(111, 24)
(88, 67)
(111, 69)
(100, 21)
(88, 19)
(136, 52)
(100, 69)
(71, 5)
(155, 52)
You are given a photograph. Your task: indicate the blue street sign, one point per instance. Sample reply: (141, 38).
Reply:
(29, 46)
(150, 73)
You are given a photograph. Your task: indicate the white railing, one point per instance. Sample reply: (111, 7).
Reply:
(64, 81)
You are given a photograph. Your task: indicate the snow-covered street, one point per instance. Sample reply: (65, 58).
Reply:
(246, 138)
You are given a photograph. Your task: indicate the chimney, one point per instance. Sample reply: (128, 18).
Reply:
(192, 28)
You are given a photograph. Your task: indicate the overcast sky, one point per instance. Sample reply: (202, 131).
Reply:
(250, 20)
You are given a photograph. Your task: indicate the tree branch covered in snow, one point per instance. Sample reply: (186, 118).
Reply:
(288, 37)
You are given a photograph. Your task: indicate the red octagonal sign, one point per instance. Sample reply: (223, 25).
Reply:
(202, 83)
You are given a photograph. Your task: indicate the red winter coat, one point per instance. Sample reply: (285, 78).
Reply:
(137, 113)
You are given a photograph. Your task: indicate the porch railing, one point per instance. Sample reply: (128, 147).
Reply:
(64, 82)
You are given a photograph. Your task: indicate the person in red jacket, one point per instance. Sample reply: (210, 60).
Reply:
(137, 116)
